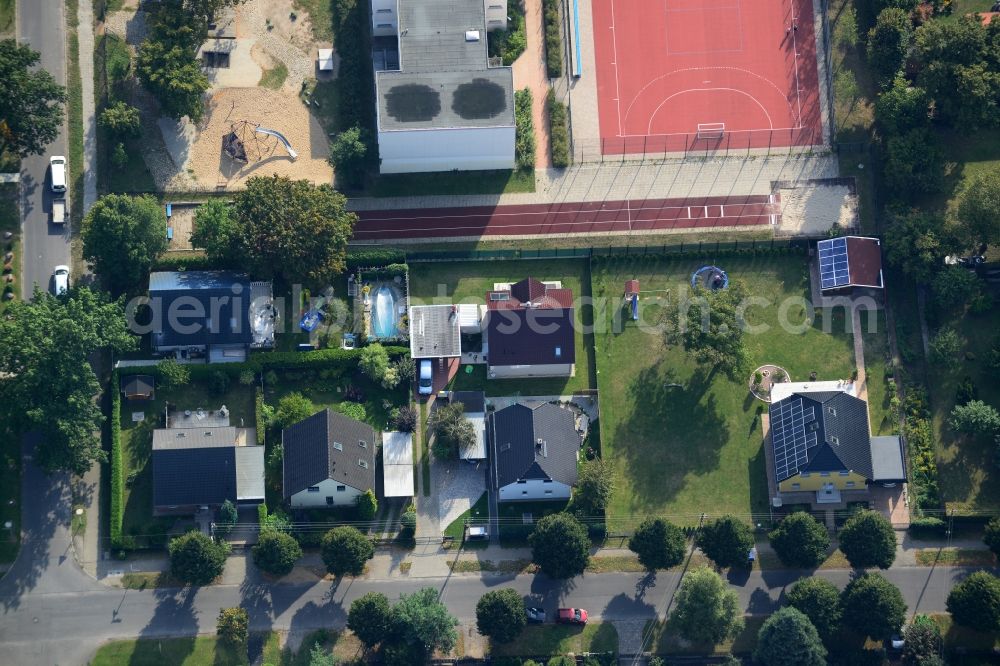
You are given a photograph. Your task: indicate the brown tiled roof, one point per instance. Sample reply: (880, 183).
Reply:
(864, 258)
(532, 291)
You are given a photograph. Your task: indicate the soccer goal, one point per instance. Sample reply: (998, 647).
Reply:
(711, 130)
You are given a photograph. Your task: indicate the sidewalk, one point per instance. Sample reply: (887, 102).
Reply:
(430, 560)
(85, 34)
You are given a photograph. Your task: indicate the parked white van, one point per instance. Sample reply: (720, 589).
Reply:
(57, 164)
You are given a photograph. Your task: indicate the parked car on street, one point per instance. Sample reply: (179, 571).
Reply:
(535, 615)
(60, 280)
(571, 616)
(57, 165)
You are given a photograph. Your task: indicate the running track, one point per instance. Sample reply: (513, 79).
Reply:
(630, 216)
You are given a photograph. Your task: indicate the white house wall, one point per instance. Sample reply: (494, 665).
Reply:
(508, 371)
(409, 151)
(534, 489)
(317, 499)
(385, 18)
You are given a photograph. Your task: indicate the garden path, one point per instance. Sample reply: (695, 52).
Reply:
(529, 72)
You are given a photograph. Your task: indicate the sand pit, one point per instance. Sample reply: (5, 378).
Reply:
(813, 209)
(277, 110)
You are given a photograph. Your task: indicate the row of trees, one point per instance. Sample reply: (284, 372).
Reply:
(275, 228)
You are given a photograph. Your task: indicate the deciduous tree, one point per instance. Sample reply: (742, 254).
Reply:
(420, 619)
(921, 641)
(800, 541)
(888, 43)
(707, 610)
(348, 153)
(914, 164)
(197, 559)
(292, 409)
(710, 326)
(726, 541)
(901, 108)
(367, 505)
(659, 544)
(954, 287)
(233, 626)
(345, 550)
(121, 119)
(868, 540)
(168, 65)
(369, 618)
(276, 552)
(975, 602)
(873, 606)
(500, 615)
(975, 418)
(31, 111)
(594, 486)
(918, 243)
(560, 546)
(122, 237)
(991, 537)
(49, 386)
(788, 638)
(215, 232)
(979, 208)
(452, 431)
(819, 600)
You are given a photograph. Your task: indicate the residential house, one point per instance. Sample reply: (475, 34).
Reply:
(529, 330)
(821, 448)
(329, 460)
(199, 460)
(214, 314)
(435, 331)
(536, 446)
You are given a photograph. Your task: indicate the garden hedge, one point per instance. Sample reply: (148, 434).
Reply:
(117, 482)
(524, 130)
(259, 415)
(558, 131)
(374, 256)
(928, 527)
(553, 39)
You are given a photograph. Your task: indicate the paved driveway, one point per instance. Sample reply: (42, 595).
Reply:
(457, 485)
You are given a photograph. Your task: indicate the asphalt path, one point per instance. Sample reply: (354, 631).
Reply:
(65, 627)
(594, 217)
(41, 25)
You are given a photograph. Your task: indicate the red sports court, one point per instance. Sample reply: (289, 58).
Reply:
(680, 75)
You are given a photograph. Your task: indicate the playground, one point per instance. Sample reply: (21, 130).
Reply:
(706, 75)
(245, 112)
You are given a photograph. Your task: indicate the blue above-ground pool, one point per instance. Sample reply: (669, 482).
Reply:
(384, 319)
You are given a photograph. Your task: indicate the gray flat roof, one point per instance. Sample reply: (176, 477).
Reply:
(435, 332)
(887, 459)
(444, 79)
(249, 472)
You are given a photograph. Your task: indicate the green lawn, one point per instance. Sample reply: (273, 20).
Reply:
(137, 441)
(200, 651)
(698, 447)
(665, 640)
(454, 182)
(479, 510)
(468, 282)
(7, 16)
(967, 469)
(560, 639)
(274, 78)
(883, 421)
(319, 16)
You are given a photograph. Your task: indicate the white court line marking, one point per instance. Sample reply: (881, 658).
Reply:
(795, 59)
(652, 116)
(614, 49)
(706, 212)
(746, 131)
(781, 94)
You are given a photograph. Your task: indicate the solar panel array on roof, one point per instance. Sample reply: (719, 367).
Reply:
(833, 268)
(792, 435)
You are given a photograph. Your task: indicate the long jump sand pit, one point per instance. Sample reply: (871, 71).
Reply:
(278, 110)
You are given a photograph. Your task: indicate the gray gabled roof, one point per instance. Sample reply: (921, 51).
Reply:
(535, 440)
(327, 446)
(820, 431)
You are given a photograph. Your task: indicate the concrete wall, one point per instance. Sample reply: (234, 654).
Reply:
(462, 149)
(507, 371)
(815, 481)
(346, 497)
(535, 489)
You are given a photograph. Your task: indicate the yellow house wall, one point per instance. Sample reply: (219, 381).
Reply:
(816, 482)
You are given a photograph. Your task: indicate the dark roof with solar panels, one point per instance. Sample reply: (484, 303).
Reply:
(849, 261)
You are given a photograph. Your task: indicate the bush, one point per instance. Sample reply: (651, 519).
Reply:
(975, 602)
(197, 559)
(172, 374)
(800, 541)
(276, 552)
(868, 540)
(558, 131)
(726, 541)
(345, 551)
(553, 39)
(292, 409)
(509, 44)
(927, 527)
(260, 416)
(228, 516)
(524, 140)
(117, 478)
(404, 419)
(219, 383)
(367, 505)
(922, 641)
(233, 626)
(992, 536)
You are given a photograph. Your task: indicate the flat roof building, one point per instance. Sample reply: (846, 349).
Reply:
(444, 107)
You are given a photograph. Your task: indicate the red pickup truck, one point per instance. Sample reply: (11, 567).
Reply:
(571, 616)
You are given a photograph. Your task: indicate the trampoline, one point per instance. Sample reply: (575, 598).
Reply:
(712, 278)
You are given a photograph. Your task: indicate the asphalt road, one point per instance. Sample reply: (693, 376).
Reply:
(593, 217)
(42, 26)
